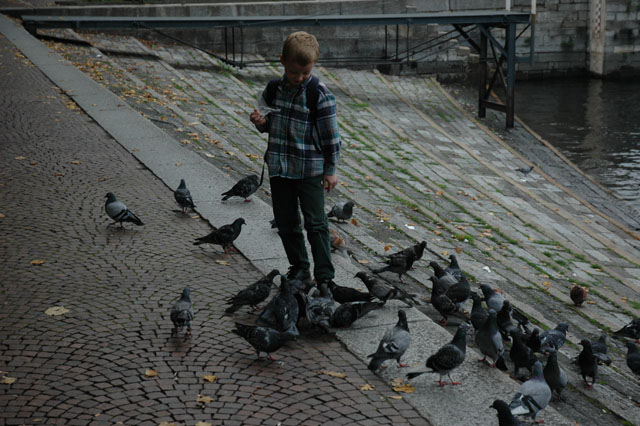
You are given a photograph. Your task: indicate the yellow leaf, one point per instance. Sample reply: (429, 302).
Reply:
(436, 232)
(76, 162)
(203, 399)
(254, 156)
(20, 157)
(195, 217)
(406, 388)
(591, 302)
(546, 283)
(366, 387)
(363, 261)
(439, 193)
(185, 141)
(59, 174)
(56, 310)
(150, 373)
(397, 381)
(2, 216)
(7, 380)
(624, 299)
(395, 397)
(334, 374)
(222, 262)
(458, 250)
(178, 164)
(37, 262)
(166, 424)
(210, 378)
(33, 163)
(444, 253)
(203, 424)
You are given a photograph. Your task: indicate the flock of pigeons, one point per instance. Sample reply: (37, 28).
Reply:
(301, 304)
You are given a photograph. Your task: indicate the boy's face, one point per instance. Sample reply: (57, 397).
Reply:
(296, 74)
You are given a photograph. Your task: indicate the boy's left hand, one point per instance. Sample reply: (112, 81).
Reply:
(329, 182)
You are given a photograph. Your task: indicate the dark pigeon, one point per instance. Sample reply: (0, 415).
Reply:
(505, 418)
(282, 310)
(342, 211)
(343, 294)
(319, 309)
(119, 212)
(223, 236)
(588, 364)
(555, 376)
(578, 294)
(554, 338)
(384, 291)
(524, 170)
(253, 295)
(415, 251)
(441, 302)
(183, 197)
(505, 325)
(263, 339)
(454, 267)
(478, 313)
(492, 298)
(600, 350)
(521, 355)
(633, 358)
(448, 357)
(533, 395)
(182, 313)
(533, 340)
(399, 263)
(460, 291)
(489, 342)
(347, 313)
(445, 278)
(631, 330)
(244, 188)
(393, 345)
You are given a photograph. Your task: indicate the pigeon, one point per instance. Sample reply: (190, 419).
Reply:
(244, 188)
(460, 291)
(578, 294)
(342, 211)
(521, 319)
(319, 309)
(489, 342)
(521, 355)
(633, 358)
(448, 357)
(505, 325)
(263, 339)
(555, 376)
(343, 294)
(533, 395)
(182, 313)
(445, 278)
(505, 418)
(441, 301)
(588, 363)
(347, 313)
(383, 291)
(281, 312)
(183, 197)
(524, 170)
(533, 340)
(600, 350)
(119, 212)
(399, 263)
(416, 251)
(393, 345)
(223, 236)
(493, 299)
(252, 295)
(339, 243)
(454, 268)
(478, 313)
(631, 330)
(554, 338)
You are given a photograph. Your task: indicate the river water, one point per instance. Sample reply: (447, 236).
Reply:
(595, 123)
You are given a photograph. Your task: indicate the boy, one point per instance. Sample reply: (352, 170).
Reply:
(302, 152)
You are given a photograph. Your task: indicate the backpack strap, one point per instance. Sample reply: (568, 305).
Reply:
(312, 94)
(272, 88)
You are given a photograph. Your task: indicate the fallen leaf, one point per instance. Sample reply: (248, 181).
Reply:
(210, 378)
(409, 226)
(354, 222)
(56, 310)
(222, 262)
(591, 302)
(33, 163)
(439, 193)
(20, 157)
(150, 373)
(2, 216)
(363, 261)
(178, 164)
(59, 174)
(203, 424)
(444, 253)
(406, 388)
(333, 373)
(166, 424)
(7, 380)
(458, 250)
(395, 397)
(195, 217)
(37, 262)
(76, 162)
(387, 247)
(436, 232)
(203, 399)
(366, 387)
(397, 381)
(208, 154)
(546, 283)
(624, 299)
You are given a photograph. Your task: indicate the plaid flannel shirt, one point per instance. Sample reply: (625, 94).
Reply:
(296, 149)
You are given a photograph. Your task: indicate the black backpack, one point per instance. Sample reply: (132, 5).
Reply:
(312, 94)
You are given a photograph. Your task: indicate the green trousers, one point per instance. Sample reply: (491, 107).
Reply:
(308, 194)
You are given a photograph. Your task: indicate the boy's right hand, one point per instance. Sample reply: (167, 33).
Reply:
(257, 118)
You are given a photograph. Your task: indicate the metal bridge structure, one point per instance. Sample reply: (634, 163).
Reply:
(496, 46)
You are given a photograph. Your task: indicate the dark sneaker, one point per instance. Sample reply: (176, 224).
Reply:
(298, 274)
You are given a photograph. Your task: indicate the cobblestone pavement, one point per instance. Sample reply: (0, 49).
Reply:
(88, 366)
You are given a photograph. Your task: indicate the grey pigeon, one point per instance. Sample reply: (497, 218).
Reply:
(492, 298)
(533, 395)
(588, 364)
(521, 355)
(489, 342)
(555, 376)
(554, 338)
(182, 313)
(183, 197)
(524, 170)
(223, 236)
(282, 310)
(578, 294)
(319, 309)
(384, 291)
(478, 313)
(253, 294)
(263, 339)
(342, 211)
(339, 243)
(448, 357)
(343, 294)
(633, 358)
(347, 313)
(631, 330)
(454, 267)
(600, 350)
(244, 188)
(505, 418)
(119, 212)
(399, 263)
(446, 279)
(393, 345)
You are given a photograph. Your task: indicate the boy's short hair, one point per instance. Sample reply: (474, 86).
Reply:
(301, 47)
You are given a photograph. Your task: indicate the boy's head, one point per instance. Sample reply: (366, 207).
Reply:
(299, 54)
